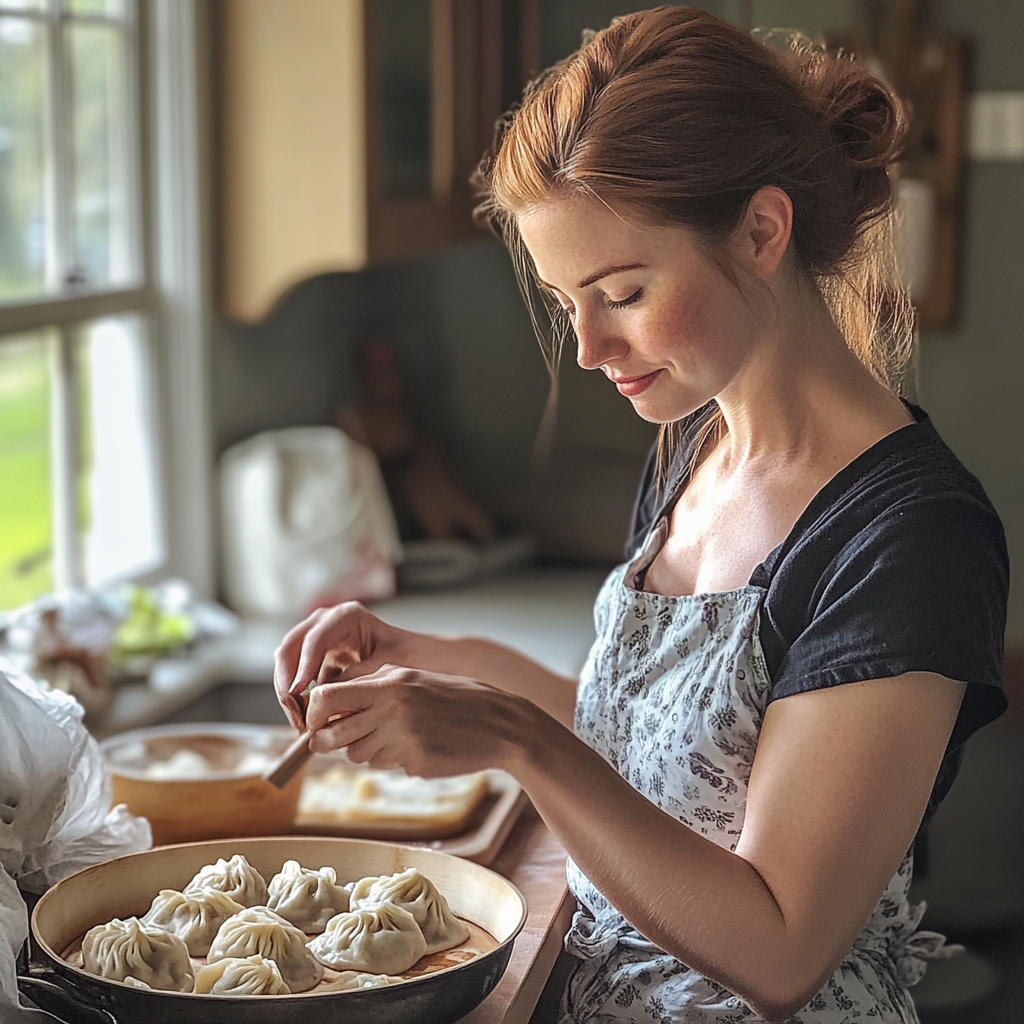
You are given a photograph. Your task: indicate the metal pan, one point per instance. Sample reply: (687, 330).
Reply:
(126, 886)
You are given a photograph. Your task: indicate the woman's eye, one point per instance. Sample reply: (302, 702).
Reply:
(627, 301)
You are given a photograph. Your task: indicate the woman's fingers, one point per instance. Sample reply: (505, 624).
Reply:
(286, 657)
(337, 632)
(342, 732)
(330, 700)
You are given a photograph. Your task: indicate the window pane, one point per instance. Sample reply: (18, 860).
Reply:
(25, 220)
(26, 565)
(117, 486)
(113, 8)
(100, 142)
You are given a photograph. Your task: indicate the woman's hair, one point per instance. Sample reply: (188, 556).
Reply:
(680, 117)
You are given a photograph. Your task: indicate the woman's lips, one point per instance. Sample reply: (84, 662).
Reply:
(633, 386)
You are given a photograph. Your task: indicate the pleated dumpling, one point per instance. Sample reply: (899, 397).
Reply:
(413, 891)
(381, 940)
(351, 980)
(259, 930)
(236, 877)
(241, 976)
(195, 917)
(125, 949)
(308, 899)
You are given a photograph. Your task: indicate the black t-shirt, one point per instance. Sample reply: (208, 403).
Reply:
(897, 565)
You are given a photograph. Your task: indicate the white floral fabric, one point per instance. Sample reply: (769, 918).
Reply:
(672, 696)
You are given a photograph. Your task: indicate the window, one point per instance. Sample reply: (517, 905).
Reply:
(90, 452)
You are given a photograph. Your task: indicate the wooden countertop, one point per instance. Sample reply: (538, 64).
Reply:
(534, 860)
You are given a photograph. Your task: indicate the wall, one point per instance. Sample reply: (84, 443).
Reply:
(474, 366)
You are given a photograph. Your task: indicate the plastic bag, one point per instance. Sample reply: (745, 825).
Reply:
(306, 521)
(54, 817)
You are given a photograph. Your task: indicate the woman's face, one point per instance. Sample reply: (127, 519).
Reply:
(649, 308)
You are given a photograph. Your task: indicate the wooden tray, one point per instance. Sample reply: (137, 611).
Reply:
(485, 832)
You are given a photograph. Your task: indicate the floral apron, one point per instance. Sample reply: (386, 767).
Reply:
(672, 696)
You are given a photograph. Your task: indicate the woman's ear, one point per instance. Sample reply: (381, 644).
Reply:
(763, 234)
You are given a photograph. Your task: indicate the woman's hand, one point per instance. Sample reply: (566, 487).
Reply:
(429, 724)
(346, 640)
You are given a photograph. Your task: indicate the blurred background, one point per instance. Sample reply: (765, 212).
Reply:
(222, 217)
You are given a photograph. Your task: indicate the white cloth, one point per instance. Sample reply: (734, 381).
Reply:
(54, 817)
(673, 696)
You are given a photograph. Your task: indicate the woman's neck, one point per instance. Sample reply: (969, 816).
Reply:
(804, 395)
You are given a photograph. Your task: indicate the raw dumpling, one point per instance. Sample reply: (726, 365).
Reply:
(121, 949)
(259, 930)
(308, 899)
(241, 976)
(194, 917)
(383, 940)
(348, 980)
(135, 983)
(413, 891)
(237, 877)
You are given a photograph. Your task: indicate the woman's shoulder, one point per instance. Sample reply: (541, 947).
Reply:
(898, 565)
(909, 489)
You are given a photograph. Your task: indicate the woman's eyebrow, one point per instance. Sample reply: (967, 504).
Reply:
(604, 272)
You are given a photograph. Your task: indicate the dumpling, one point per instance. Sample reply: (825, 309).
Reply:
(237, 877)
(308, 899)
(413, 891)
(135, 983)
(121, 949)
(259, 930)
(349, 980)
(384, 940)
(241, 976)
(194, 917)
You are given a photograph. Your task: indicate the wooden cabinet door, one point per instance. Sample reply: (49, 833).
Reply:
(349, 130)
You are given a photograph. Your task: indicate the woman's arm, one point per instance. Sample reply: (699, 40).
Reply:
(838, 788)
(350, 641)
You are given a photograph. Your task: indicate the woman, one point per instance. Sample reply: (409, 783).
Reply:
(810, 624)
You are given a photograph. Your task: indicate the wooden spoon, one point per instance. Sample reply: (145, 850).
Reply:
(283, 770)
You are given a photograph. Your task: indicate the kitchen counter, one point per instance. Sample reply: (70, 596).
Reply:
(545, 613)
(534, 860)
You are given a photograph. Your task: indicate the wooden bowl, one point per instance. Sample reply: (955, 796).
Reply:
(125, 886)
(222, 804)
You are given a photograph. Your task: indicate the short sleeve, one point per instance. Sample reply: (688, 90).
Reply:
(921, 587)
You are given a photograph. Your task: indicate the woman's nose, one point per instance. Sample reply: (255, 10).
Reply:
(595, 344)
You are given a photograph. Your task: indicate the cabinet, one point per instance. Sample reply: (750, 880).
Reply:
(348, 130)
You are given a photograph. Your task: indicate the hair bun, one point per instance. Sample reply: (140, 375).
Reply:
(860, 111)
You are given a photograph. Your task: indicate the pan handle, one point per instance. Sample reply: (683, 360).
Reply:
(63, 1004)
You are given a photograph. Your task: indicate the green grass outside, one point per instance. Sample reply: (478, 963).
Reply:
(25, 521)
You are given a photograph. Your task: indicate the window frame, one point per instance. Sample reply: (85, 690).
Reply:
(170, 120)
